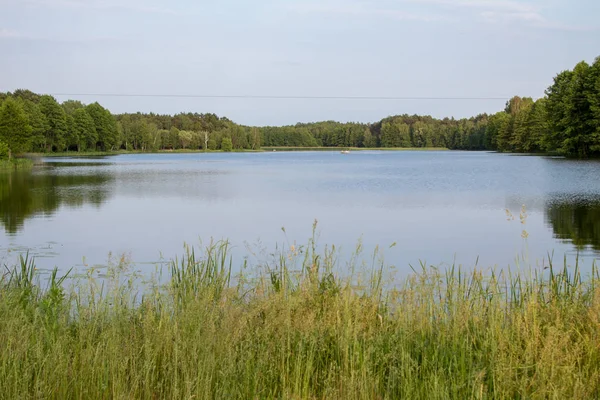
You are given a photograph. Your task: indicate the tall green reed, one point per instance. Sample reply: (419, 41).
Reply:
(296, 328)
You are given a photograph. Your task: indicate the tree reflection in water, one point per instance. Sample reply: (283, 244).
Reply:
(27, 194)
(576, 221)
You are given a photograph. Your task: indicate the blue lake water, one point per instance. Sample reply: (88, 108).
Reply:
(438, 207)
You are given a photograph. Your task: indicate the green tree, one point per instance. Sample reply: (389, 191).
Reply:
(226, 144)
(15, 130)
(594, 100)
(571, 112)
(520, 140)
(146, 135)
(185, 138)
(57, 123)
(106, 126)
(538, 125)
(505, 131)
(557, 108)
(212, 144)
(70, 106)
(579, 125)
(255, 139)
(84, 130)
(395, 134)
(71, 136)
(404, 135)
(422, 134)
(28, 95)
(174, 138)
(38, 122)
(368, 140)
(238, 136)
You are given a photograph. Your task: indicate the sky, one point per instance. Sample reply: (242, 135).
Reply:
(295, 48)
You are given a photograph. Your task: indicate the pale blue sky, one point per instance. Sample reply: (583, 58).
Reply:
(400, 48)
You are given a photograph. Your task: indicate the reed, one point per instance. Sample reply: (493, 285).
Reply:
(294, 328)
(15, 163)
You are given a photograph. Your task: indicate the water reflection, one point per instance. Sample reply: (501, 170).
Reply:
(25, 194)
(159, 201)
(576, 221)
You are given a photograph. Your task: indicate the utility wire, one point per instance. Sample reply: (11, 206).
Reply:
(276, 97)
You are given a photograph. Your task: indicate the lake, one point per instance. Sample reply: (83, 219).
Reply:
(438, 207)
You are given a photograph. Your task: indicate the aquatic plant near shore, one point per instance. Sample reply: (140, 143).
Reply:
(295, 329)
(15, 163)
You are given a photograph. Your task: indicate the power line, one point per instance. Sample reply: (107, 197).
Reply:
(277, 97)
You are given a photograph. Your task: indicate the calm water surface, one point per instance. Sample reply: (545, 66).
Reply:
(439, 207)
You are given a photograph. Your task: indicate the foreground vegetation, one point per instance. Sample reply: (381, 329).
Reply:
(293, 329)
(565, 121)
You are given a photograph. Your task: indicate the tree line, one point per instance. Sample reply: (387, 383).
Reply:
(565, 121)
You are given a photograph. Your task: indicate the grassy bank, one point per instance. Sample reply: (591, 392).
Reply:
(15, 163)
(294, 330)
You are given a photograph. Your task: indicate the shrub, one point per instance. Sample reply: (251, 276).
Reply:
(226, 144)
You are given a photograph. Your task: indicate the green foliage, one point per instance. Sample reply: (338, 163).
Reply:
(14, 164)
(106, 126)
(15, 130)
(297, 331)
(38, 122)
(520, 136)
(27, 95)
(226, 144)
(4, 151)
(56, 129)
(174, 141)
(395, 134)
(84, 129)
(572, 111)
(212, 144)
(255, 139)
(566, 121)
(538, 127)
(70, 106)
(185, 138)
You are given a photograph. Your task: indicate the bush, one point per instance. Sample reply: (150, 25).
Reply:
(226, 144)
(212, 144)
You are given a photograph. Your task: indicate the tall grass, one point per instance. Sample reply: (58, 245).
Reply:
(15, 163)
(293, 329)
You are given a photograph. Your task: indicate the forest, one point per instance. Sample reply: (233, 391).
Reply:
(565, 121)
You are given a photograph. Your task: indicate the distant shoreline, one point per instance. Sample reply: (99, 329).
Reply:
(292, 148)
(262, 150)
